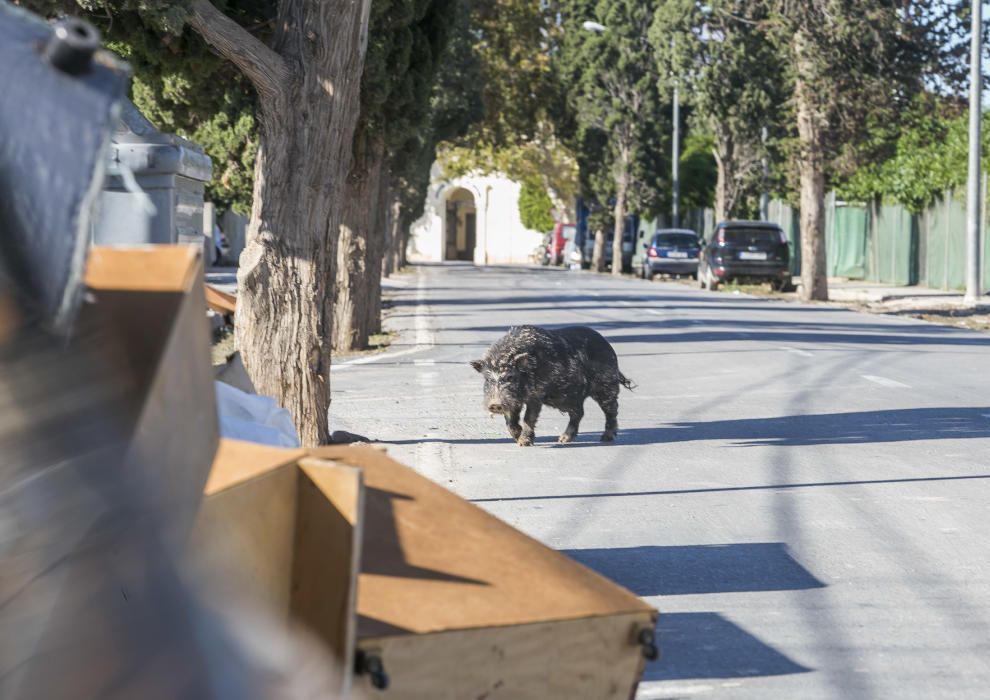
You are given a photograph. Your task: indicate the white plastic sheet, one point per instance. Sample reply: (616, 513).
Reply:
(254, 418)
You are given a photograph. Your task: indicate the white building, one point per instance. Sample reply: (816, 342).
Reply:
(476, 218)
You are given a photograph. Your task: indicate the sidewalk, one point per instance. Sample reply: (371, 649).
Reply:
(945, 307)
(863, 292)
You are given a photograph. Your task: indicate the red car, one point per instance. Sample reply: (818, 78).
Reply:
(562, 233)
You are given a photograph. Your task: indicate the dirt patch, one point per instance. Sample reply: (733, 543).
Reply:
(223, 345)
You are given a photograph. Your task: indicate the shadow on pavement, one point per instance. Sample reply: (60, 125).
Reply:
(706, 645)
(694, 569)
(855, 428)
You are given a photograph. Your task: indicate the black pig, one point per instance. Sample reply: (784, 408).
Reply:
(531, 366)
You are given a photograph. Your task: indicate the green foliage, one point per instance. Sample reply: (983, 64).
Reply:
(614, 117)
(535, 205)
(731, 74)
(181, 86)
(491, 99)
(930, 157)
(697, 171)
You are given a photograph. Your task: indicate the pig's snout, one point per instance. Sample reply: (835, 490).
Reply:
(495, 407)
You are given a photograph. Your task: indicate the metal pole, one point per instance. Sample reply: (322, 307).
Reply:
(764, 195)
(973, 185)
(676, 158)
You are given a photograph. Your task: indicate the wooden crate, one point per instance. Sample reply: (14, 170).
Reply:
(284, 528)
(149, 304)
(456, 604)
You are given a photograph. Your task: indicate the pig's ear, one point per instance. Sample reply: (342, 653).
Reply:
(478, 365)
(520, 358)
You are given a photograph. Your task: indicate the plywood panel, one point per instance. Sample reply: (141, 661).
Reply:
(433, 562)
(220, 301)
(163, 268)
(248, 529)
(237, 461)
(593, 658)
(327, 553)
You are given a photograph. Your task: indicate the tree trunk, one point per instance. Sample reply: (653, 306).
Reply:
(598, 252)
(395, 219)
(377, 252)
(359, 255)
(811, 124)
(724, 180)
(620, 226)
(308, 85)
(390, 242)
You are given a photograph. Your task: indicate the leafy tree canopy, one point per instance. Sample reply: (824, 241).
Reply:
(535, 205)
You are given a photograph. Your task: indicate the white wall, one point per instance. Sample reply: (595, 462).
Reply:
(501, 237)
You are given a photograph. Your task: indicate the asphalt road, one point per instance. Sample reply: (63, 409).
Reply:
(802, 491)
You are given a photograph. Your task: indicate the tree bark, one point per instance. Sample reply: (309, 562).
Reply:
(621, 192)
(724, 179)
(378, 251)
(359, 255)
(598, 252)
(620, 226)
(811, 159)
(308, 86)
(388, 201)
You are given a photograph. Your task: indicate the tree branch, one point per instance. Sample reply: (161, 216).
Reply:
(262, 66)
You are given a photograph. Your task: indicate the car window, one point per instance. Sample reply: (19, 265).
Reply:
(681, 240)
(751, 236)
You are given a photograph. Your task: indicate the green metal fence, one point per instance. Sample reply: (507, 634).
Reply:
(890, 244)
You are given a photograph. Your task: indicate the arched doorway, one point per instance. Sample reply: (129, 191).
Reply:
(460, 226)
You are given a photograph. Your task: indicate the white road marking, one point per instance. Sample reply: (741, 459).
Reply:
(424, 336)
(796, 351)
(883, 381)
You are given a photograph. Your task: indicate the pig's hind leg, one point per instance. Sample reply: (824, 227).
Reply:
(608, 399)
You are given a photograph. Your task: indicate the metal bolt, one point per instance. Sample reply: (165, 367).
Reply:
(373, 666)
(71, 46)
(647, 640)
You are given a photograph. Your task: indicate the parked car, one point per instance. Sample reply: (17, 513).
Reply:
(746, 250)
(561, 234)
(627, 251)
(671, 251)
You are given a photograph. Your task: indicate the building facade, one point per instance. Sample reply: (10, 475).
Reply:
(473, 218)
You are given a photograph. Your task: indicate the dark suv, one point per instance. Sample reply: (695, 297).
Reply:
(749, 250)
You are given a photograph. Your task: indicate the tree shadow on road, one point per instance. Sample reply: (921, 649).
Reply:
(854, 428)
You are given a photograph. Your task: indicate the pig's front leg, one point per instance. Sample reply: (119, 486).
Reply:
(529, 423)
(512, 421)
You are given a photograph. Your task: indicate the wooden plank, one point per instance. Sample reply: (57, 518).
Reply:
(161, 268)
(327, 555)
(148, 302)
(220, 301)
(433, 562)
(237, 461)
(595, 658)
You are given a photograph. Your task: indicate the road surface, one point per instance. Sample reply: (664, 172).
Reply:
(802, 491)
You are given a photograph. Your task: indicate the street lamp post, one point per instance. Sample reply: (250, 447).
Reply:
(675, 165)
(973, 185)
(764, 195)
